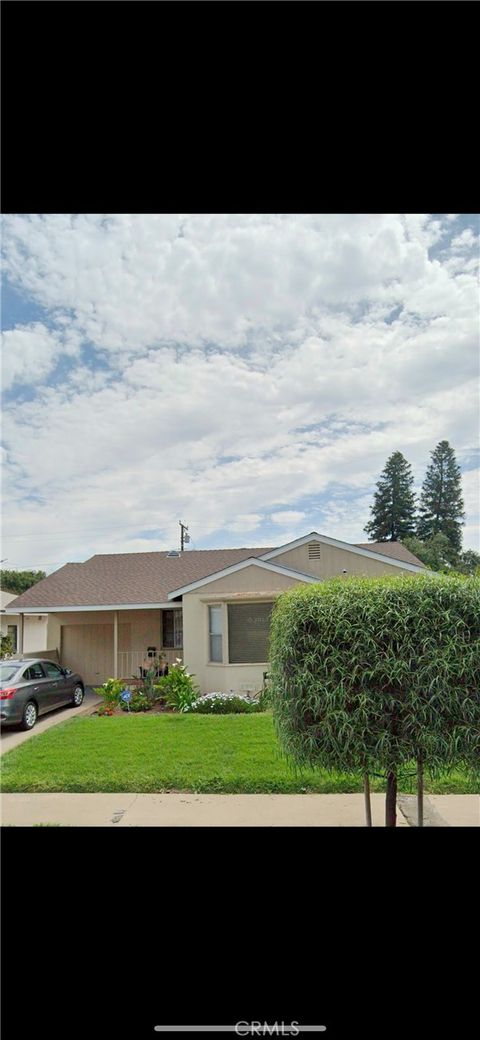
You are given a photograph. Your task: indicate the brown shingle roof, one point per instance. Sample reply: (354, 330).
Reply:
(148, 577)
(393, 549)
(128, 577)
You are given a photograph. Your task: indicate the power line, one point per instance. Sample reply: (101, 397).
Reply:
(113, 527)
(40, 566)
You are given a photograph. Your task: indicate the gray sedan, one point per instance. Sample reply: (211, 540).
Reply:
(29, 688)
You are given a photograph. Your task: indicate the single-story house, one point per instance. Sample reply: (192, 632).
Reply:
(34, 629)
(209, 607)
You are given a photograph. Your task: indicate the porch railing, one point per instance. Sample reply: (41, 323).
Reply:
(130, 661)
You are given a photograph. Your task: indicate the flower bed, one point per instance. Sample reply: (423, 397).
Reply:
(175, 692)
(224, 704)
(119, 695)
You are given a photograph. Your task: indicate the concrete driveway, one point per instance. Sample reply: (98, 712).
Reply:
(11, 737)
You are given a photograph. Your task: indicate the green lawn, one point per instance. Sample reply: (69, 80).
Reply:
(226, 753)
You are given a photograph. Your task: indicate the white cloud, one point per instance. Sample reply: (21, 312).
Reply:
(245, 522)
(135, 282)
(29, 352)
(288, 516)
(238, 366)
(466, 240)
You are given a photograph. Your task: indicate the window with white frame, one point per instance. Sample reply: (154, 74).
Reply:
(249, 632)
(215, 634)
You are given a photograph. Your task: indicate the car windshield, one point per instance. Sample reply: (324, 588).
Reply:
(7, 671)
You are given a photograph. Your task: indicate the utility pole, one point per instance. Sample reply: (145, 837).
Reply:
(184, 538)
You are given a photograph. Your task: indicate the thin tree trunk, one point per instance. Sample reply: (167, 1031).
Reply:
(391, 800)
(368, 804)
(420, 792)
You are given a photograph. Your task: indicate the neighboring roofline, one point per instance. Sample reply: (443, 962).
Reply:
(337, 544)
(84, 606)
(254, 561)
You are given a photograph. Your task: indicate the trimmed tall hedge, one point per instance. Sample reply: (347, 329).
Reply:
(373, 674)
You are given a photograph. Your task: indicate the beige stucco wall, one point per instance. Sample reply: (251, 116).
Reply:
(218, 677)
(250, 579)
(262, 585)
(54, 632)
(34, 630)
(333, 561)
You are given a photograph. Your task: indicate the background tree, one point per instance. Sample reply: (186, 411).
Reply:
(393, 509)
(468, 563)
(19, 581)
(441, 503)
(436, 552)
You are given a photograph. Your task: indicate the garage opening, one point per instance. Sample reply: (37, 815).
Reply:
(88, 650)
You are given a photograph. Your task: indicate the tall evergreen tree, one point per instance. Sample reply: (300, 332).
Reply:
(393, 510)
(441, 503)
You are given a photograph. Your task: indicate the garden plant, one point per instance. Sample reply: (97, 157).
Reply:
(137, 702)
(224, 704)
(178, 687)
(110, 692)
(380, 675)
(6, 647)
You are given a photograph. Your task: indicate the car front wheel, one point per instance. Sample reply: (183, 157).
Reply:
(29, 717)
(78, 696)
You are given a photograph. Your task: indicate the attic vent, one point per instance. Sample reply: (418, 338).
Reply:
(314, 550)
(173, 552)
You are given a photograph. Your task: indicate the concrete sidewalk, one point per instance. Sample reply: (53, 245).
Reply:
(219, 810)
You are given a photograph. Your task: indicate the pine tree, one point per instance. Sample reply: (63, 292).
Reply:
(441, 503)
(393, 510)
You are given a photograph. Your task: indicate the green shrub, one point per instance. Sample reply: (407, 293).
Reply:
(178, 688)
(151, 681)
(110, 692)
(373, 674)
(223, 704)
(6, 646)
(264, 698)
(138, 702)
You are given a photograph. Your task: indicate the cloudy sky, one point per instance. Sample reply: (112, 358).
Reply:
(248, 375)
